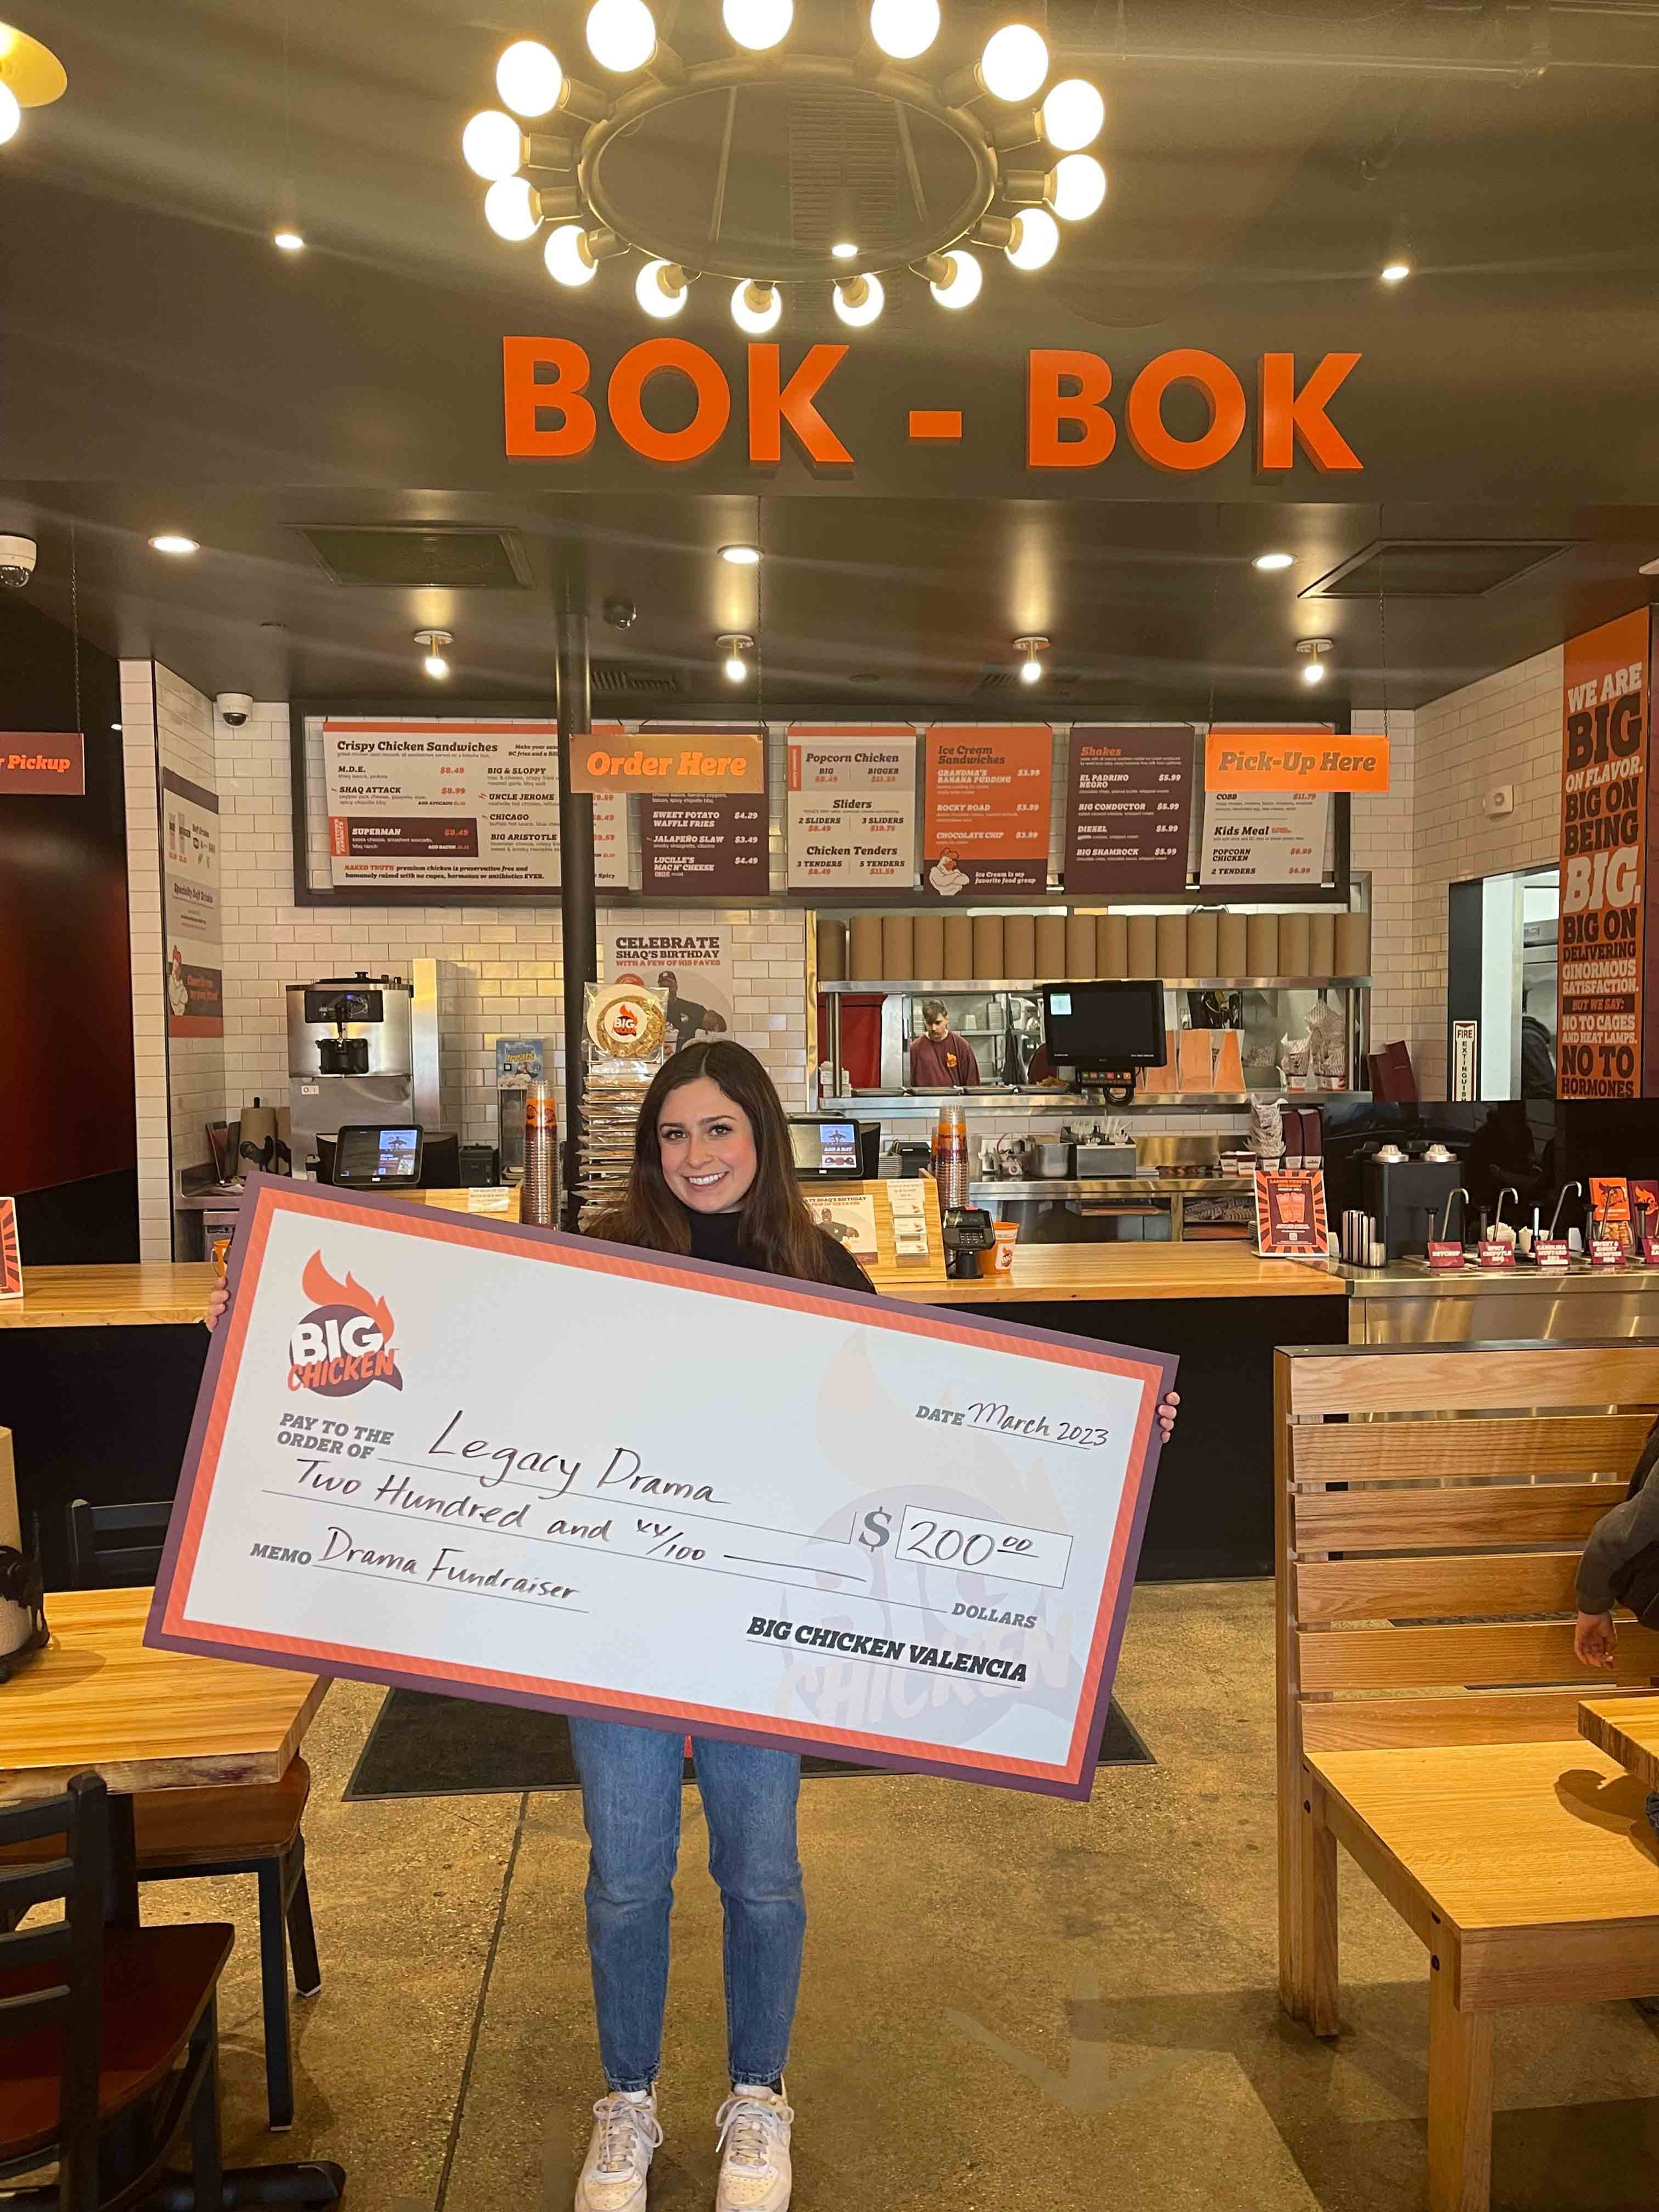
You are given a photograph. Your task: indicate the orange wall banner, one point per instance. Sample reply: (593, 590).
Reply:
(1294, 760)
(1604, 782)
(986, 822)
(681, 760)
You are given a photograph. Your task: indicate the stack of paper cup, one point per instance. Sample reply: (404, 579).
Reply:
(539, 1201)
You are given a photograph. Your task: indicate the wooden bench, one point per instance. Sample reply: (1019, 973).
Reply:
(1431, 1505)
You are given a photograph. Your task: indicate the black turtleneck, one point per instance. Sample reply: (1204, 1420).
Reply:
(715, 1236)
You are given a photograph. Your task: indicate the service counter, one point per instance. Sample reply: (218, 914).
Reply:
(99, 1366)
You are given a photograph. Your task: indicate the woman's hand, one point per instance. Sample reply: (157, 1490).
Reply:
(1167, 1407)
(1595, 1639)
(217, 1305)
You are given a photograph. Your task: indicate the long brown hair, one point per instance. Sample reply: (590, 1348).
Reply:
(774, 1226)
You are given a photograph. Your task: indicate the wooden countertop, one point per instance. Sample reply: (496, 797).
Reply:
(164, 1291)
(1057, 1272)
(1627, 1730)
(155, 1291)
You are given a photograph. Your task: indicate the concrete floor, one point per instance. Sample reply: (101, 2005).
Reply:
(1011, 2004)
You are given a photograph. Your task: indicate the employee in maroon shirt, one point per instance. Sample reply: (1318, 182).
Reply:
(941, 1060)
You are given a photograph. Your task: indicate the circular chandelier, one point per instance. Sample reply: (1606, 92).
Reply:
(987, 156)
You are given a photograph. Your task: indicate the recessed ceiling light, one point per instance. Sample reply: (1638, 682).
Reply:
(289, 240)
(171, 541)
(1648, 569)
(1273, 561)
(741, 557)
(844, 249)
(1395, 272)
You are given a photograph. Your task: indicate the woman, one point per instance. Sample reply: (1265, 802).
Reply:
(712, 1178)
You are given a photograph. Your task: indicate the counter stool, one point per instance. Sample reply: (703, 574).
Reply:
(190, 1834)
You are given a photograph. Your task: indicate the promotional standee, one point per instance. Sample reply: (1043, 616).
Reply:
(906, 1540)
(1601, 957)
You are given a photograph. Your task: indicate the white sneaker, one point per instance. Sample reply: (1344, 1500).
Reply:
(625, 2134)
(754, 2142)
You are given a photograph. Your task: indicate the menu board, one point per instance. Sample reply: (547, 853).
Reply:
(712, 847)
(1271, 838)
(852, 815)
(1129, 807)
(986, 820)
(1604, 774)
(190, 909)
(452, 804)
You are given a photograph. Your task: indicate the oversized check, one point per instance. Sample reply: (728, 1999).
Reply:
(461, 1454)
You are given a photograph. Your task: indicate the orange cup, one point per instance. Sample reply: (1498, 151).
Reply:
(999, 1260)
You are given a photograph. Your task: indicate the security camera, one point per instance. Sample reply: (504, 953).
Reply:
(234, 707)
(17, 558)
(619, 613)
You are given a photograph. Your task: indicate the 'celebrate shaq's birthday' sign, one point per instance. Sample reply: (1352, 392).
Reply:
(465, 1456)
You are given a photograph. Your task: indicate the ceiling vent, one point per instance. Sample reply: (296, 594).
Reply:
(1434, 568)
(454, 557)
(633, 679)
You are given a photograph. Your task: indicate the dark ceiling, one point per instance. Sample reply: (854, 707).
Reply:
(1265, 155)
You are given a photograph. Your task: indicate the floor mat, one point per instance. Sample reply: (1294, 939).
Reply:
(428, 1747)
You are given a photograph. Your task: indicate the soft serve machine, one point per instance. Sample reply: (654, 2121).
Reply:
(361, 1049)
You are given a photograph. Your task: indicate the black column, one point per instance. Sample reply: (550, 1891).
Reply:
(575, 844)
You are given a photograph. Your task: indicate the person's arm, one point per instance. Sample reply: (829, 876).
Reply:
(1615, 1541)
(969, 1065)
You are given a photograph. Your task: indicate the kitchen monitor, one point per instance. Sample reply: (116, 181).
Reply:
(825, 1150)
(1104, 1027)
(378, 1155)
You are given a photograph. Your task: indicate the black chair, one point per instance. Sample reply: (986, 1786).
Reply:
(187, 1834)
(96, 2021)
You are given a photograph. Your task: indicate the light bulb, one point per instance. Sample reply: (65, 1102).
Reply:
(1031, 670)
(961, 288)
(435, 664)
(1073, 115)
(904, 28)
(844, 249)
(512, 209)
(652, 294)
(171, 541)
(736, 667)
(1077, 186)
(1036, 237)
(1014, 63)
(492, 145)
(1395, 272)
(758, 25)
(859, 301)
(11, 114)
(1314, 672)
(741, 557)
(568, 261)
(756, 308)
(289, 240)
(529, 78)
(1269, 562)
(622, 37)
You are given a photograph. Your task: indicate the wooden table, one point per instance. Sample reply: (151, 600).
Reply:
(97, 1700)
(1627, 1730)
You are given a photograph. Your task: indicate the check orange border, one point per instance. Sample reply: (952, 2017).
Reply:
(178, 1619)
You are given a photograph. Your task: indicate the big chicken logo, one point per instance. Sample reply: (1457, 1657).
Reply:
(344, 1343)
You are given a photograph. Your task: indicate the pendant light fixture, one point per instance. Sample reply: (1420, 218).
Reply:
(734, 644)
(31, 76)
(577, 160)
(433, 662)
(1031, 650)
(1314, 650)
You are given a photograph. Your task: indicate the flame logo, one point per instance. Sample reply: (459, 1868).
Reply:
(325, 1290)
(345, 1342)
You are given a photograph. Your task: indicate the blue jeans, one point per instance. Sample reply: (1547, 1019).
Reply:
(631, 1782)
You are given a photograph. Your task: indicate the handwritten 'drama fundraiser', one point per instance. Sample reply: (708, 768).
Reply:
(462, 1454)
